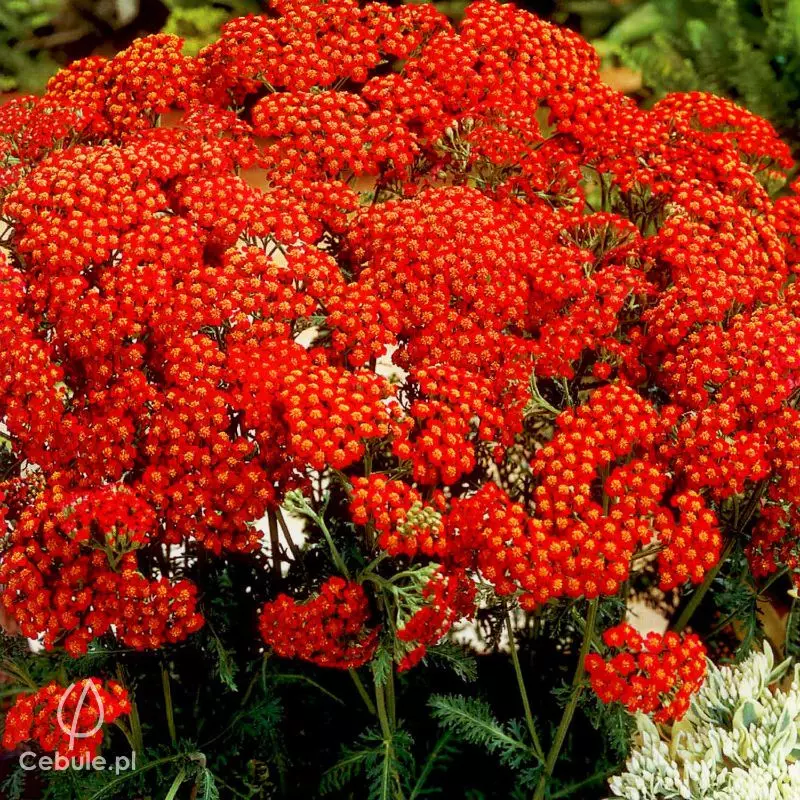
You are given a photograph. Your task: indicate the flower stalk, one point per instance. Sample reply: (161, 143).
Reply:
(572, 704)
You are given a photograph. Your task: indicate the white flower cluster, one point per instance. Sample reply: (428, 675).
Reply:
(740, 740)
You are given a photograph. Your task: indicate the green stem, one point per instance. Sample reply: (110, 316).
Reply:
(700, 592)
(645, 553)
(581, 623)
(752, 505)
(428, 767)
(538, 399)
(165, 682)
(274, 545)
(372, 564)
(387, 731)
(337, 556)
(298, 504)
(103, 790)
(137, 737)
(512, 646)
(568, 791)
(569, 711)
(390, 698)
(565, 390)
(362, 690)
(136, 726)
(176, 785)
(721, 625)
(408, 573)
(380, 703)
(287, 534)
(772, 579)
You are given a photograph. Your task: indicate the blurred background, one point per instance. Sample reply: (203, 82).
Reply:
(748, 50)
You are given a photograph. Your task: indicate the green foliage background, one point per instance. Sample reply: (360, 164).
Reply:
(748, 50)
(37, 37)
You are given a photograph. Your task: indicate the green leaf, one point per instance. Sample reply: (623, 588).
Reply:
(639, 24)
(792, 640)
(381, 665)
(453, 656)
(748, 713)
(382, 781)
(104, 791)
(226, 668)
(207, 786)
(387, 765)
(390, 776)
(351, 764)
(472, 721)
(13, 787)
(614, 724)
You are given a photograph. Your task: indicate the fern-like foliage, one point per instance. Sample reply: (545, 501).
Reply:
(735, 598)
(386, 765)
(64, 785)
(13, 787)
(748, 50)
(455, 657)
(207, 786)
(472, 721)
(615, 724)
(226, 667)
(259, 720)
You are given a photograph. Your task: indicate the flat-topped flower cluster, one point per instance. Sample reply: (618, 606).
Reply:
(591, 312)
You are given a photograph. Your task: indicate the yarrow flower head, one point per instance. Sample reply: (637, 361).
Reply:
(66, 720)
(330, 629)
(70, 573)
(656, 674)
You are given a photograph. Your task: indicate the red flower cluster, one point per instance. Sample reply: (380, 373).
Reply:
(532, 326)
(490, 533)
(447, 597)
(47, 716)
(303, 126)
(332, 414)
(330, 629)
(585, 545)
(655, 674)
(405, 525)
(70, 573)
(692, 546)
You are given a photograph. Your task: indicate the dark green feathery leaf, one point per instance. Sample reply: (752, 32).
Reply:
(472, 721)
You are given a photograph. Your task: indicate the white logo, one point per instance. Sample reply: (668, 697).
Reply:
(90, 693)
(72, 731)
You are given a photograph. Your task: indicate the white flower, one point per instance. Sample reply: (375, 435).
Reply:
(740, 740)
